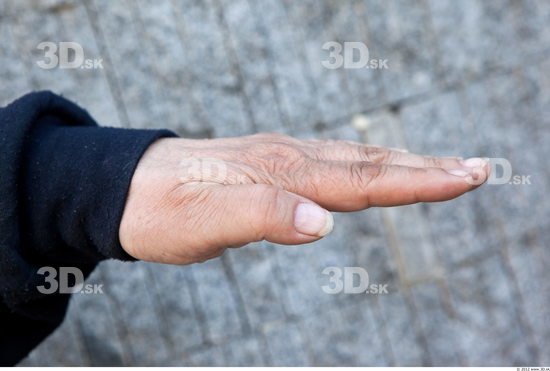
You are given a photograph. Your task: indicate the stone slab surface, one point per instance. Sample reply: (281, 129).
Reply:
(467, 279)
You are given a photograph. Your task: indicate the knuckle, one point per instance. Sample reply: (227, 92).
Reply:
(364, 173)
(432, 162)
(265, 202)
(379, 155)
(276, 158)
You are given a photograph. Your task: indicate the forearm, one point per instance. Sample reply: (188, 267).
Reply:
(63, 182)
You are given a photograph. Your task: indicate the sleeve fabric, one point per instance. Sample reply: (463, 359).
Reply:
(63, 187)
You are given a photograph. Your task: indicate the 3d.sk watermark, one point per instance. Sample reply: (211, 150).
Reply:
(502, 173)
(351, 55)
(351, 280)
(206, 169)
(66, 55)
(66, 280)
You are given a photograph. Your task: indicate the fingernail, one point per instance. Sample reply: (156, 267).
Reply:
(313, 220)
(460, 173)
(475, 162)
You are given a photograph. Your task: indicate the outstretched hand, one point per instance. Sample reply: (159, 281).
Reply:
(190, 200)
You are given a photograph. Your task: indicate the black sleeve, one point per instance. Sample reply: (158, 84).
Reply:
(63, 187)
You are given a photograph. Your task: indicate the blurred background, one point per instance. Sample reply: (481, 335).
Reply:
(468, 279)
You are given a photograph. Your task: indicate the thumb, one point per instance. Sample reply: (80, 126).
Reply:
(253, 212)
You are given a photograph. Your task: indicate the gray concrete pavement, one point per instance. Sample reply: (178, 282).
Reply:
(468, 279)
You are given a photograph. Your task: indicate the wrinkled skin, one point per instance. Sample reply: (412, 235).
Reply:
(190, 200)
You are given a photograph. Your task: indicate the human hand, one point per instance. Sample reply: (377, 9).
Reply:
(189, 200)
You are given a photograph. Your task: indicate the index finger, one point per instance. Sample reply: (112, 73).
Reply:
(357, 185)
